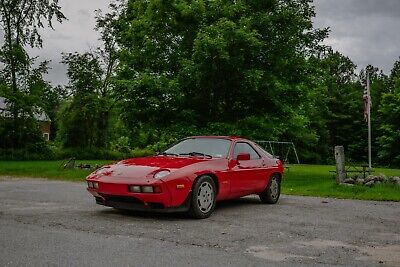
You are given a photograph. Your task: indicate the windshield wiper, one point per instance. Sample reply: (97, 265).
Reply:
(193, 154)
(168, 154)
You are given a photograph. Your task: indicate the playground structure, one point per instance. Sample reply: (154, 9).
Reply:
(281, 149)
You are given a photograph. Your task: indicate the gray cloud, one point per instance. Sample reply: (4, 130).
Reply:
(349, 9)
(367, 31)
(75, 34)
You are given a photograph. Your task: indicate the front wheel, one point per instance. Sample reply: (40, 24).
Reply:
(203, 198)
(271, 194)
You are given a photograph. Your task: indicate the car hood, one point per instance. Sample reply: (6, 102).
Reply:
(145, 167)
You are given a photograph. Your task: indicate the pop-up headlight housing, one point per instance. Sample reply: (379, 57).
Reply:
(161, 174)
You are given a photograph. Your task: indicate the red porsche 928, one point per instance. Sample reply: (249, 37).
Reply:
(191, 176)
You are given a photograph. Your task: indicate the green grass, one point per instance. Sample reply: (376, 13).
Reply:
(46, 169)
(315, 180)
(305, 180)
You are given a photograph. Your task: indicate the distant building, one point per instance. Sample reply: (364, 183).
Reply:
(42, 118)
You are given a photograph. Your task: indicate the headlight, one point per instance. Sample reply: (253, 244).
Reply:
(93, 185)
(134, 189)
(147, 189)
(144, 189)
(161, 174)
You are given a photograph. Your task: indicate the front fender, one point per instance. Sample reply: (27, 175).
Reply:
(188, 175)
(179, 189)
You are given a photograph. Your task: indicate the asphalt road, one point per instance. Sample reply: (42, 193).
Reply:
(48, 223)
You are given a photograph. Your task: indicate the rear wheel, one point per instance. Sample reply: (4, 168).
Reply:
(203, 198)
(271, 194)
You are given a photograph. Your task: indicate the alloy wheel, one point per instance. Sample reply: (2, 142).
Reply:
(205, 197)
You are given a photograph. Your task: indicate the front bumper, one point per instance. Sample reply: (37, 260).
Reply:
(135, 204)
(116, 194)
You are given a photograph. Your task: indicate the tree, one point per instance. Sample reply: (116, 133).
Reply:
(108, 58)
(85, 118)
(23, 132)
(21, 21)
(379, 85)
(344, 103)
(154, 38)
(79, 116)
(389, 110)
(204, 63)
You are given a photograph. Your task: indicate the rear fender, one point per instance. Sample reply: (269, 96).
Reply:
(269, 178)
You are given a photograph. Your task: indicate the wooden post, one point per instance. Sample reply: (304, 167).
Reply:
(340, 164)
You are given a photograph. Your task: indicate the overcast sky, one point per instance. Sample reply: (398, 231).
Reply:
(367, 31)
(75, 34)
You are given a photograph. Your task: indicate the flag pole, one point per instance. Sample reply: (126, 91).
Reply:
(369, 124)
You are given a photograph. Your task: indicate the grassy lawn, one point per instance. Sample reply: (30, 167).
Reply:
(305, 180)
(46, 169)
(315, 180)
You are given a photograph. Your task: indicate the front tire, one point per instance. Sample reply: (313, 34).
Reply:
(272, 193)
(203, 198)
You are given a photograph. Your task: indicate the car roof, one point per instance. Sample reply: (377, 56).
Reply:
(219, 137)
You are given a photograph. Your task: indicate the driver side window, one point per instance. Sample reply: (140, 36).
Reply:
(245, 148)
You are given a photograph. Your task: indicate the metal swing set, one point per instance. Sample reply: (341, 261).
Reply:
(276, 147)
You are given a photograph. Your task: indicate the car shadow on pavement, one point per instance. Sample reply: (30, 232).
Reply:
(177, 216)
(236, 203)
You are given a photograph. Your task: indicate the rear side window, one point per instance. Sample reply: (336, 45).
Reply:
(265, 152)
(242, 147)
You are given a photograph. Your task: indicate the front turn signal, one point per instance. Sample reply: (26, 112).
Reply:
(180, 186)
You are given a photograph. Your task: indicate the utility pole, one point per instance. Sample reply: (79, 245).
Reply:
(369, 124)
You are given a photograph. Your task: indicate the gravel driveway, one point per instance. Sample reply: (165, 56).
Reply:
(57, 223)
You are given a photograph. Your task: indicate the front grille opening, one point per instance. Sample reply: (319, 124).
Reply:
(122, 199)
(156, 206)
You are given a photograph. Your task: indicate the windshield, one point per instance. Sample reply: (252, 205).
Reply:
(215, 147)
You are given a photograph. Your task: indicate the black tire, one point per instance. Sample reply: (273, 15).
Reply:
(272, 193)
(204, 198)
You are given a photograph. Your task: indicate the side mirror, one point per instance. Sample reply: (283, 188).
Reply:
(243, 157)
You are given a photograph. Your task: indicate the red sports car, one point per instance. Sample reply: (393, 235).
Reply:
(190, 176)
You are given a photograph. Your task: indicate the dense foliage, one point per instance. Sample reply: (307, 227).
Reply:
(169, 69)
(20, 81)
(214, 67)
